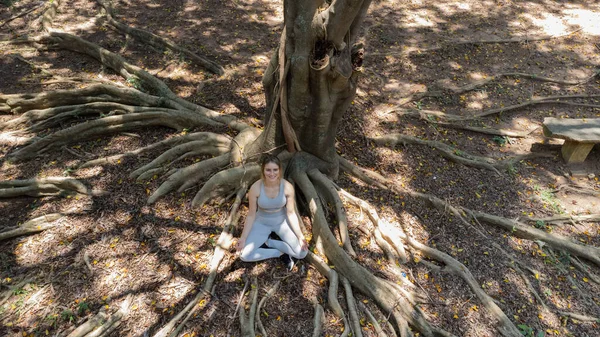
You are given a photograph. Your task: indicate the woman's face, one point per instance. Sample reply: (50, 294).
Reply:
(271, 172)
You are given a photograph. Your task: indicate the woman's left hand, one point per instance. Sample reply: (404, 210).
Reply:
(304, 244)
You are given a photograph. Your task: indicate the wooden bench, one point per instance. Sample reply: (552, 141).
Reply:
(580, 135)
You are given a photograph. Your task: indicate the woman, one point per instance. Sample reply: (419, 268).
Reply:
(271, 209)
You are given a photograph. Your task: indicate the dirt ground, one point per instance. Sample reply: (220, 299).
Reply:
(159, 254)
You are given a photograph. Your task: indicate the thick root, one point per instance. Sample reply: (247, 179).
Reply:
(224, 182)
(556, 241)
(63, 100)
(35, 225)
(352, 311)
(454, 154)
(318, 320)
(173, 141)
(247, 322)
(223, 245)
(269, 293)
(113, 124)
(211, 144)
(129, 71)
(189, 176)
(372, 319)
(360, 278)
(331, 195)
(159, 42)
(41, 187)
(333, 278)
(515, 227)
(102, 324)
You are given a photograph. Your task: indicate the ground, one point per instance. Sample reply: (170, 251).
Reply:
(160, 253)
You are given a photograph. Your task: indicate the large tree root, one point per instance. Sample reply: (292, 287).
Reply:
(101, 324)
(175, 119)
(517, 228)
(454, 154)
(135, 74)
(201, 143)
(35, 225)
(159, 42)
(332, 300)
(223, 245)
(269, 293)
(247, 321)
(557, 100)
(505, 326)
(41, 187)
(393, 301)
(20, 103)
(211, 138)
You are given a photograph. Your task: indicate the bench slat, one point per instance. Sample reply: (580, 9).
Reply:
(577, 130)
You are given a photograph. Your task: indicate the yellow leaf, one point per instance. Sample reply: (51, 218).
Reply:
(486, 253)
(537, 276)
(585, 279)
(455, 316)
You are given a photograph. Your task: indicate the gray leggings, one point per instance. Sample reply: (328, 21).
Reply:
(264, 224)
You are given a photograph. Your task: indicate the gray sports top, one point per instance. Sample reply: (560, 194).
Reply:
(271, 205)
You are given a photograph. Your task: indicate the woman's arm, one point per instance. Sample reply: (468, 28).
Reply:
(252, 197)
(291, 213)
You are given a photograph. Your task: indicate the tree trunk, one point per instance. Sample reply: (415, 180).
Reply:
(318, 63)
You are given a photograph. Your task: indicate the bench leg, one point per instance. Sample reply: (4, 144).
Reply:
(575, 152)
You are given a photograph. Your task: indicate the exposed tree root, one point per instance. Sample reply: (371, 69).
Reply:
(247, 321)
(135, 74)
(223, 245)
(517, 228)
(20, 103)
(208, 144)
(213, 138)
(388, 242)
(583, 294)
(505, 326)
(159, 42)
(556, 241)
(101, 324)
(225, 182)
(22, 14)
(188, 176)
(41, 187)
(579, 317)
(484, 130)
(332, 300)
(269, 293)
(558, 100)
(454, 154)
(378, 330)
(393, 302)
(352, 311)
(331, 196)
(35, 225)
(92, 129)
(478, 84)
(585, 269)
(561, 219)
(49, 14)
(318, 320)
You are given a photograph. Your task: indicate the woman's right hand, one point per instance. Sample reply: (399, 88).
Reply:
(240, 244)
